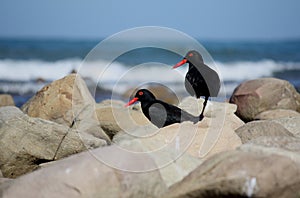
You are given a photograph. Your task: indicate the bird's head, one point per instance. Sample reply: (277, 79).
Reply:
(193, 57)
(142, 95)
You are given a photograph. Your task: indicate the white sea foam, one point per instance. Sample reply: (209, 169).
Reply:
(244, 70)
(119, 77)
(25, 70)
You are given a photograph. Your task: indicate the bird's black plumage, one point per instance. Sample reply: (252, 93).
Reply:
(200, 79)
(161, 113)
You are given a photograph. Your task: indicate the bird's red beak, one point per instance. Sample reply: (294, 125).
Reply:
(180, 63)
(131, 102)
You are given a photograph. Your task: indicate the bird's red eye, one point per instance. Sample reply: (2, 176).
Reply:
(141, 93)
(191, 54)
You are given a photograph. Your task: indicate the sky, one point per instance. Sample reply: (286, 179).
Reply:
(94, 19)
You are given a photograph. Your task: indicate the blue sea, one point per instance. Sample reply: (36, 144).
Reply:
(26, 65)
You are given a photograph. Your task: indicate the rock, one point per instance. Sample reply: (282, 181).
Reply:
(172, 163)
(6, 100)
(87, 175)
(26, 142)
(213, 109)
(254, 129)
(256, 96)
(177, 169)
(67, 101)
(276, 113)
(160, 91)
(241, 174)
(279, 145)
(180, 148)
(205, 139)
(115, 117)
(215, 133)
(4, 185)
(292, 124)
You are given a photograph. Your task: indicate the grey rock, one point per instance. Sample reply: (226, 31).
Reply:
(241, 174)
(283, 142)
(254, 129)
(256, 96)
(67, 101)
(172, 164)
(288, 147)
(91, 174)
(292, 124)
(26, 142)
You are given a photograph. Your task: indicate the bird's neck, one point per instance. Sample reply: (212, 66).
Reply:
(192, 67)
(147, 103)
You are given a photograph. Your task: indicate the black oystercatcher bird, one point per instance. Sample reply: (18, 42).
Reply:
(200, 80)
(158, 112)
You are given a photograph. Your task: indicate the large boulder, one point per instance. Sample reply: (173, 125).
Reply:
(26, 142)
(263, 167)
(89, 175)
(241, 174)
(215, 133)
(254, 129)
(6, 100)
(179, 148)
(256, 96)
(67, 101)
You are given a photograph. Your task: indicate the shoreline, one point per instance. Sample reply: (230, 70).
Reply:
(65, 136)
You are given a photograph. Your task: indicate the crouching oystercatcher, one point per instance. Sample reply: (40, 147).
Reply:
(158, 112)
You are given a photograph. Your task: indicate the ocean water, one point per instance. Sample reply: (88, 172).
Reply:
(26, 65)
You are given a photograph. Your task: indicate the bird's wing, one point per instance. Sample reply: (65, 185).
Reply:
(212, 79)
(158, 114)
(195, 84)
(204, 80)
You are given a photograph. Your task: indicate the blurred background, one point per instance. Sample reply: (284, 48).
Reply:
(41, 41)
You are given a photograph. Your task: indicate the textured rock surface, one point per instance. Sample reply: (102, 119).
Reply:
(6, 100)
(64, 101)
(292, 124)
(280, 145)
(276, 113)
(115, 117)
(256, 96)
(222, 112)
(254, 129)
(215, 133)
(172, 163)
(85, 175)
(26, 142)
(241, 174)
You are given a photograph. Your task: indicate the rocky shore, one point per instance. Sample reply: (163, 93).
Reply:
(63, 144)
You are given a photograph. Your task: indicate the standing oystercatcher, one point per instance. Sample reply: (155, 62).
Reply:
(200, 80)
(158, 112)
